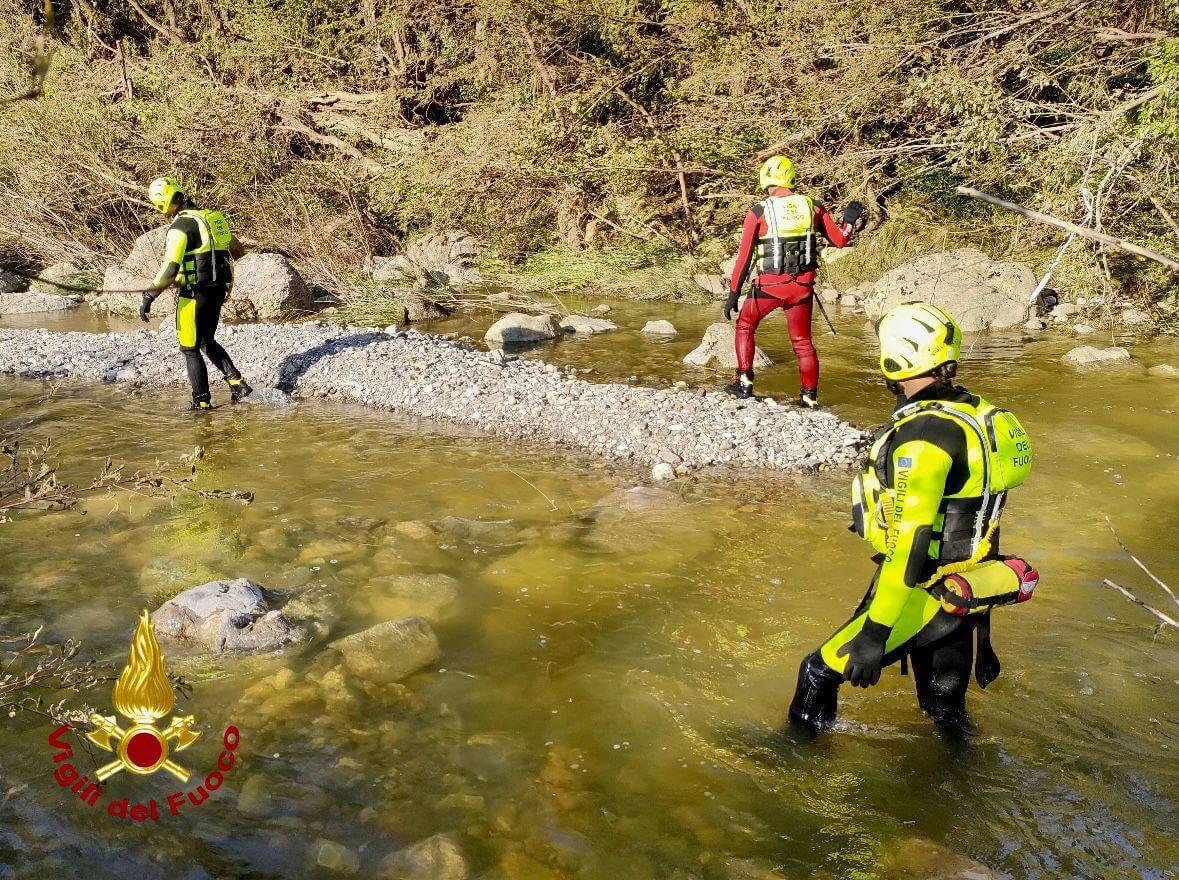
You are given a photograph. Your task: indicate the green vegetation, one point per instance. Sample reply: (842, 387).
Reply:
(613, 141)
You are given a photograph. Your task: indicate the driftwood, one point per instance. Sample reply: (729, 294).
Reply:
(1164, 619)
(1136, 250)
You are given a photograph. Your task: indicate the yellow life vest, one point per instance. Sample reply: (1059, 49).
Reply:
(999, 454)
(207, 261)
(788, 246)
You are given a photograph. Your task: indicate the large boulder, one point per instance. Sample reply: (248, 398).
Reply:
(435, 858)
(1090, 357)
(10, 282)
(518, 327)
(122, 291)
(30, 302)
(416, 306)
(147, 253)
(225, 616)
(265, 287)
(450, 257)
(977, 291)
(389, 651)
(397, 269)
(715, 284)
(64, 279)
(586, 325)
(717, 346)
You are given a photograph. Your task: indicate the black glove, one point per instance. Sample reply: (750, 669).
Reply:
(145, 305)
(852, 213)
(865, 654)
(731, 305)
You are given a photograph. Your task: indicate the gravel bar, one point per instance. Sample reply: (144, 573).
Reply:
(435, 377)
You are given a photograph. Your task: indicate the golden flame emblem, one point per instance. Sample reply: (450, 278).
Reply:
(143, 695)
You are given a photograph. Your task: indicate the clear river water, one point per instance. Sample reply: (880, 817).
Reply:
(612, 682)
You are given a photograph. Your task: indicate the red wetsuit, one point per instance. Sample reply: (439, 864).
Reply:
(793, 293)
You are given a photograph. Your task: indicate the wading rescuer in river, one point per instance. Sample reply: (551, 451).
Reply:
(198, 258)
(780, 232)
(929, 502)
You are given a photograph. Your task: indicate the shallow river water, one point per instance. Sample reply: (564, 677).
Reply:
(612, 682)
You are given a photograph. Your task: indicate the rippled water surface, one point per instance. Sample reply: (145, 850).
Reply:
(612, 681)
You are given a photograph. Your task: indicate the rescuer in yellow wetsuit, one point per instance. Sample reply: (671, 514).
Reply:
(929, 502)
(198, 258)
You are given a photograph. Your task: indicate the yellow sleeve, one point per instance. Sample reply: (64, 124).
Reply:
(174, 247)
(919, 472)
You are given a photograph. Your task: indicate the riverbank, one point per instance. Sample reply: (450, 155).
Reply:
(434, 377)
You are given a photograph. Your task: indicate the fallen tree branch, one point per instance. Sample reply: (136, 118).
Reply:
(292, 121)
(1167, 620)
(1136, 250)
(1139, 562)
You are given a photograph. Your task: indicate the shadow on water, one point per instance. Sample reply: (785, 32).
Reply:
(295, 366)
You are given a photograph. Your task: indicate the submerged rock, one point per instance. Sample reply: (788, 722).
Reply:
(1087, 356)
(389, 651)
(977, 291)
(717, 346)
(435, 858)
(225, 616)
(335, 856)
(924, 859)
(518, 327)
(434, 597)
(1164, 371)
(586, 325)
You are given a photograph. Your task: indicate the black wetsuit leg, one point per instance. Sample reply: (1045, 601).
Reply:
(941, 672)
(208, 302)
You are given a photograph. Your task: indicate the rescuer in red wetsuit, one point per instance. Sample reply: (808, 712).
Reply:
(781, 233)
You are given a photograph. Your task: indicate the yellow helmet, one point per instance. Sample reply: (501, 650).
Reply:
(916, 337)
(162, 191)
(776, 171)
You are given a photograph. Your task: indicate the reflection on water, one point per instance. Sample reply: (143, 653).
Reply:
(614, 669)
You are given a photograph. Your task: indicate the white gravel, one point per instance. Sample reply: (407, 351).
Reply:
(434, 377)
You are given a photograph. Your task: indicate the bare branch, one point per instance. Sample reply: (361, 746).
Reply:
(1166, 619)
(1128, 247)
(1139, 562)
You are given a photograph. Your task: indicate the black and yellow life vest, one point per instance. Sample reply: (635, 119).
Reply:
(788, 246)
(207, 261)
(999, 455)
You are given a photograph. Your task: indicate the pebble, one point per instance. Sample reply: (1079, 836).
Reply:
(437, 378)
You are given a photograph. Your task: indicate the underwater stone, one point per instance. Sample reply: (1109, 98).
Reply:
(389, 651)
